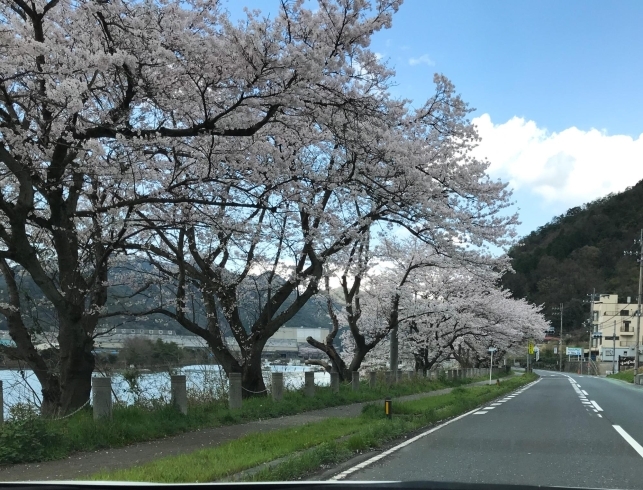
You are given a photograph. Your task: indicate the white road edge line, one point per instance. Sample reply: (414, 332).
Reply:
(383, 454)
(630, 440)
(596, 406)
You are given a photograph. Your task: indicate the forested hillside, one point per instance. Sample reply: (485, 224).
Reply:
(578, 251)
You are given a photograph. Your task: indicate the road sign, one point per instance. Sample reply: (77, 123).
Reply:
(555, 350)
(574, 351)
(537, 351)
(531, 348)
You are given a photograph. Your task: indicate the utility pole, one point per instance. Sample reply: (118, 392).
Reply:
(638, 311)
(591, 330)
(614, 348)
(559, 311)
(639, 257)
(560, 341)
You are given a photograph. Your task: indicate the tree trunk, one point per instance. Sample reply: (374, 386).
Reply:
(251, 376)
(76, 379)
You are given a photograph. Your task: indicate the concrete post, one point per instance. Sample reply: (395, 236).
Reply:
(102, 397)
(277, 388)
(355, 381)
(372, 379)
(179, 393)
(389, 377)
(309, 383)
(334, 382)
(234, 391)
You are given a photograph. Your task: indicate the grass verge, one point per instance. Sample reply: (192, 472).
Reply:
(21, 441)
(314, 445)
(627, 375)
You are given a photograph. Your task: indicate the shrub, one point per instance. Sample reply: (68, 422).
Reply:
(26, 437)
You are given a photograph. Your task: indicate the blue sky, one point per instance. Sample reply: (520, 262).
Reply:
(557, 87)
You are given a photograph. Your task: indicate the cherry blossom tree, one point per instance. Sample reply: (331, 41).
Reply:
(465, 313)
(235, 156)
(103, 106)
(384, 291)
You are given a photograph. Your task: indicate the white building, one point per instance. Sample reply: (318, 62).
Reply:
(616, 323)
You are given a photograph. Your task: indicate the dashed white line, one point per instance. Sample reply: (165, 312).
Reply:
(585, 393)
(383, 454)
(630, 440)
(596, 406)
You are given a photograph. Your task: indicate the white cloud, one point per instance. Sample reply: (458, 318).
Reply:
(424, 59)
(567, 168)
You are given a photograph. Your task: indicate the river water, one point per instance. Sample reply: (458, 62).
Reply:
(203, 381)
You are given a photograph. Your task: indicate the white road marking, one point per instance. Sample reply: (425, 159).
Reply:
(489, 408)
(596, 406)
(630, 440)
(600, 415)
(383, 454)
(495, 404)
(585, 393)
(482, 412)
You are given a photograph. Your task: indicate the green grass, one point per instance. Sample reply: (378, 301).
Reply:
(627, 375)
(313, 444)
(135, 424)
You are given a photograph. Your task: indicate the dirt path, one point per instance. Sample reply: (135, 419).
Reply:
(84, 464)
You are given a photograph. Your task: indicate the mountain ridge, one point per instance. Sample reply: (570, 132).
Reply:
(579, 251)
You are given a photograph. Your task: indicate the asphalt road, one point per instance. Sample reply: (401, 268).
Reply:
(563, 430)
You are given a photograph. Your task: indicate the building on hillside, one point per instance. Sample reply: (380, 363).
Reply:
(616, 324)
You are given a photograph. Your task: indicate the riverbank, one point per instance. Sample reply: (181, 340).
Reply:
(80, 433)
